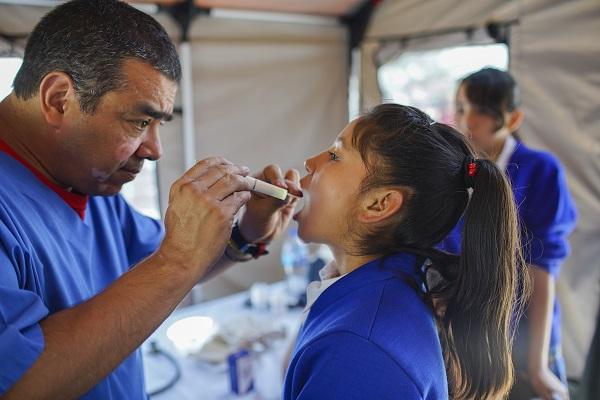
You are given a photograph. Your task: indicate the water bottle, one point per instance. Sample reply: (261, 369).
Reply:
(295, 261)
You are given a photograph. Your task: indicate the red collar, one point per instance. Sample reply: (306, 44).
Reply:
(76, 201)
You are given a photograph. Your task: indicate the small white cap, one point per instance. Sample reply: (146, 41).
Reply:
(267, 188)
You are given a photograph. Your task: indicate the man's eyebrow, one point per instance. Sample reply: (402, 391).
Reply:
(148, 110)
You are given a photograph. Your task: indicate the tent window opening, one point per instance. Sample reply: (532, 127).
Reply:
(428, 79)
(141, 193)
(8, 70)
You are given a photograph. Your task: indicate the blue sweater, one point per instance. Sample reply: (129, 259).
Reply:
(369, 336)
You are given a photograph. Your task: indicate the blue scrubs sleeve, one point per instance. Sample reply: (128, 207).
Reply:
(548, 217)
(21, 338)
(346, 366)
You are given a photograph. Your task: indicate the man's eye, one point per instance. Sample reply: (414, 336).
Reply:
(142, 124)
(333, 156)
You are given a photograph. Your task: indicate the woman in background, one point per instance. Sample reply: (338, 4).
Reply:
(488, 113)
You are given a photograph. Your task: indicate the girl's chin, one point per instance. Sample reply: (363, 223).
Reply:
(300, 219)
(300, 214)
(303, 234)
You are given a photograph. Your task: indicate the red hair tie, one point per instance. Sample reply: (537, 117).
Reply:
(472, 168)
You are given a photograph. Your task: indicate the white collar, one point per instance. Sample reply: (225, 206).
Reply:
(510, 144)
(329, 274)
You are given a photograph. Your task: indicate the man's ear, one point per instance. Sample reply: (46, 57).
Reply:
(380, 204)
(56, 95)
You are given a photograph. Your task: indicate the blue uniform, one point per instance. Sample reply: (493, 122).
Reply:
(51, 259)
(369, 336)
(547, 215)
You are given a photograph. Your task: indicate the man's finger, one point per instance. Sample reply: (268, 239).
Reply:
(228, 184)
(213, 175)
(272, 174)
(202, 166)
(235, 201)
(292, 177)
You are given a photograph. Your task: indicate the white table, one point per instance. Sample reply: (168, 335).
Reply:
(201, 380)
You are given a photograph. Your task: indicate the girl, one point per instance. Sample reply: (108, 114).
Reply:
(393, 318)
(487, 111)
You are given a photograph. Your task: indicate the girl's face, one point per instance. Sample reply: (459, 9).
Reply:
(332, 185)
(480, 128)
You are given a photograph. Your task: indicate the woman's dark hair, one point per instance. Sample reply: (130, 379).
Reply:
(89, 41)
(493, 92)
(477, 300)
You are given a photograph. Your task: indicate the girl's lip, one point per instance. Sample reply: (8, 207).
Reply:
(297, 214)
(301, 205)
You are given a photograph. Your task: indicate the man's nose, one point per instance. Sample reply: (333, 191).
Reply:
(151, 148)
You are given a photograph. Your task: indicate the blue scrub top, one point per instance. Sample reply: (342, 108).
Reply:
(369, 336)
(547, 215)
(50, 260)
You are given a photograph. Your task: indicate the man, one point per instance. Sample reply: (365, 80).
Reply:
(84, 279)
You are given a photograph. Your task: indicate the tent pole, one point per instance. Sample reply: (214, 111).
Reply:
(187, 105)
(183, 13)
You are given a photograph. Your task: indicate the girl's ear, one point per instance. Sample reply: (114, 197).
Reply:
(379, 204)
(514, 120)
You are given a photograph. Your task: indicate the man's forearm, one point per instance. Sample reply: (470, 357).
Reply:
(220, 266)
(85, 343)
(229, 258)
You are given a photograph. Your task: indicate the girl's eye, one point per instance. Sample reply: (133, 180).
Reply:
(333, 156)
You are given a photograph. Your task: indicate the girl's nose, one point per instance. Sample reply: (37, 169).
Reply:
(307, 166)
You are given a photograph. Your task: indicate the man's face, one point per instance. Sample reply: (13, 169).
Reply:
(106, 149)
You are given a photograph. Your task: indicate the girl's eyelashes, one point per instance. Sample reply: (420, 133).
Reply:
(333, 156)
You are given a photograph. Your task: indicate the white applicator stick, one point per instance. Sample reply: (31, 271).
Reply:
(266, 188)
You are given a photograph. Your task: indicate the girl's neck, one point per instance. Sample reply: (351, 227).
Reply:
(500, 140)
(495, 152)
(346, 263)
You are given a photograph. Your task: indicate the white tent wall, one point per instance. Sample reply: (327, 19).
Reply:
(555, 57)
(554, 53)
(264, 92)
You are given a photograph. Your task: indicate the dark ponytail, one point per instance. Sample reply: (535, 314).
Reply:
(476, 295)
(476, 322)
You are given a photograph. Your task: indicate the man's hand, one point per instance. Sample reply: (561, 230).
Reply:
(266, 217)
(202, 204)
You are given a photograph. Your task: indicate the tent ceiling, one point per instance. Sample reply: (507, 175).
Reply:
(314, 7)
(18, 17)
